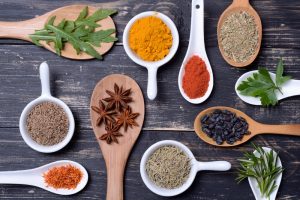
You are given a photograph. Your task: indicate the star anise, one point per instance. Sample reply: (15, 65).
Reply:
(119, 98)
(105, 114)
(127, 118)
(112, 132)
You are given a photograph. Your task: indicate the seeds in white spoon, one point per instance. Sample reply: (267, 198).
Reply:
(47, 124)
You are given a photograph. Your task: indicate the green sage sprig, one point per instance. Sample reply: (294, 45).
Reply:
(81, 33)
(263, 167)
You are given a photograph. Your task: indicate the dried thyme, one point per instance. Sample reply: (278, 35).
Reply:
(47, 124)
(239, 37)
(168, 167)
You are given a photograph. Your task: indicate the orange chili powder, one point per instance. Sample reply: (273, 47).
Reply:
(196, 78)
(63, 177)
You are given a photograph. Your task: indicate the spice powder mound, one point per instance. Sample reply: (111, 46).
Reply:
(239, 36)
(47, 124)
(63, 177)
(150, 38)
(196, 78)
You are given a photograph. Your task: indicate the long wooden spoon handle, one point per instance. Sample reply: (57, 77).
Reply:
(241, 3)
(115, 177)
(22, 29)
(279, 129)
(15, 30)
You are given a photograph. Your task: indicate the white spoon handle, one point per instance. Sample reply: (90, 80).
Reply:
(197, 27)
(152, 82)
(23, 177)
(291, 88)
(45, 79)
(214, 166)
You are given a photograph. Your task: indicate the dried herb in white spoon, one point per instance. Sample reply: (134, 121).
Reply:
(168, 167)
(81, 33)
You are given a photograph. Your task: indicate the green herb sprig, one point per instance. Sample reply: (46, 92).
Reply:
(263, 167)
(80, 33)
(262, 86)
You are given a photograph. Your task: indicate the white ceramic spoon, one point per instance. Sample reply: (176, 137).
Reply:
(34, 177)
(254, 185)
(152, 67)
(196, 47)
(196, 166)
(289, 89)
(45, 97)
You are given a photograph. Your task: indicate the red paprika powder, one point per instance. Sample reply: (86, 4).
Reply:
(196, 78)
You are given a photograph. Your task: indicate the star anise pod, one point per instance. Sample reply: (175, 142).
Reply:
(119, 98)
(105, 114)
(127, 118)
(112, 132)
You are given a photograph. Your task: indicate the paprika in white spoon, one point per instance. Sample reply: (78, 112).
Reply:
(195, 78)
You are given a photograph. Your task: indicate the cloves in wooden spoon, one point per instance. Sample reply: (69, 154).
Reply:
(237, 6)
(22, 29)
(255, 128)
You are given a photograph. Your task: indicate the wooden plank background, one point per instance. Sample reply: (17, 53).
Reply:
(168, 117)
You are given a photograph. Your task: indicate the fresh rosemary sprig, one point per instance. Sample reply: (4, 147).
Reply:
(80, 33)
(263, 167)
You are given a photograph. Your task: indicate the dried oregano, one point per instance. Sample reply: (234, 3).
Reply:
(168, 167)
(239, 36)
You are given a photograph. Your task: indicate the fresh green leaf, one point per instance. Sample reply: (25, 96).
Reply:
(263, 167)
(83, 14)
(262, 86)
(280, 79)
(69, 26)
(90, 50)
(102, 36)
(90, 21)
(79, 33)
(51, 21)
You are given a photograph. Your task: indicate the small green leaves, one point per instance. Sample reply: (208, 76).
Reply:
(80, 33)
(263, 167)
(261, 85)
(280, 79)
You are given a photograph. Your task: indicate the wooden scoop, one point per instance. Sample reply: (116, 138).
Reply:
(255, 128)
(22, 29)
(115, 155)
(236, 6)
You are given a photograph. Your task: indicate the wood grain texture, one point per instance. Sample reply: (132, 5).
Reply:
(117, 153)
(279, 18)
(168, 117)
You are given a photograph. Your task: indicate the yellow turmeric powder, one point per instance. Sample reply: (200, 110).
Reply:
(150, 38)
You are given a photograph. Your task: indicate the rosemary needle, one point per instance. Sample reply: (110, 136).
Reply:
(263, 167)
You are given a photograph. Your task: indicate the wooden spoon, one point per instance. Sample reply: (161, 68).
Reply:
(255, 128)
(236, 6)
(115, 155)
(22, 29)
